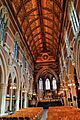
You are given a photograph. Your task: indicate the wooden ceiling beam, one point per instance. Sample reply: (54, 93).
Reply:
(52, 11)
(56, 32)
(53, 46)
(44, 24)
(30, 28)
(40, 16)
(39, 48)
(57, 3)
(46, 38)
(41, 39)
(39, 4)
(22, 5)
(45, 33)
(35, 29)
(28, 14)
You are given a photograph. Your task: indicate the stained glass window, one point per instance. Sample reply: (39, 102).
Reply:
(41, 84)
(54, 84)
(73, 18)
(47, 83)
(16, 50)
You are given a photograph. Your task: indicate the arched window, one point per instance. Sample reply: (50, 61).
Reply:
(54, 84)
(47, 83)
(73, 17)
(3, 24)
(41, 84)
(16, 50)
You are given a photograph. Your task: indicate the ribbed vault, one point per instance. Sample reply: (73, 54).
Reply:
(40, 23)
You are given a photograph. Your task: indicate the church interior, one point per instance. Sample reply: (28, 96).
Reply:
(39, 59)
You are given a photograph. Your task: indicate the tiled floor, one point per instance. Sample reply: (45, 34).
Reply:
(44, 116)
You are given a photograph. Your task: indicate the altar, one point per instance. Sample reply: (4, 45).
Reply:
(49, 102)
(47, 88)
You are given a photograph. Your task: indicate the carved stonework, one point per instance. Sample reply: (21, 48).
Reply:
(3, 24)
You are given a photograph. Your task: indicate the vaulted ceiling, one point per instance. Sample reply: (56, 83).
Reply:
(40, 22)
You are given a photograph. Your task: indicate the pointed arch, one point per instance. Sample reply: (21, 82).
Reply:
(43, 70)
(3, 66)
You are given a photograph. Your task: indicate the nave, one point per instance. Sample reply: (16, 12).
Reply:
(40, 59)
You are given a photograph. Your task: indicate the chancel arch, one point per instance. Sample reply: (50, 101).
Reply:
(43, 70)
(47, 84)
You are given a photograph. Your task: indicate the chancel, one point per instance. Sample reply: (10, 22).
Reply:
(39, 59)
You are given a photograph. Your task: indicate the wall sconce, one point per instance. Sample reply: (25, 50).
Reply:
(65, 89)
(73, 63)
(79, 88)
(34, 93)
(61, 92)
(13, 87)
(30, 93)
(24, 90)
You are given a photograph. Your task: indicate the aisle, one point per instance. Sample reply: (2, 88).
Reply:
(44, 116)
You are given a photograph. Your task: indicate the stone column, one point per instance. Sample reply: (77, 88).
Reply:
(11, 99)
(3, 88)
(74, 95)
(65, 98)
(17, 99)
(21, 99)
(25, 100)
